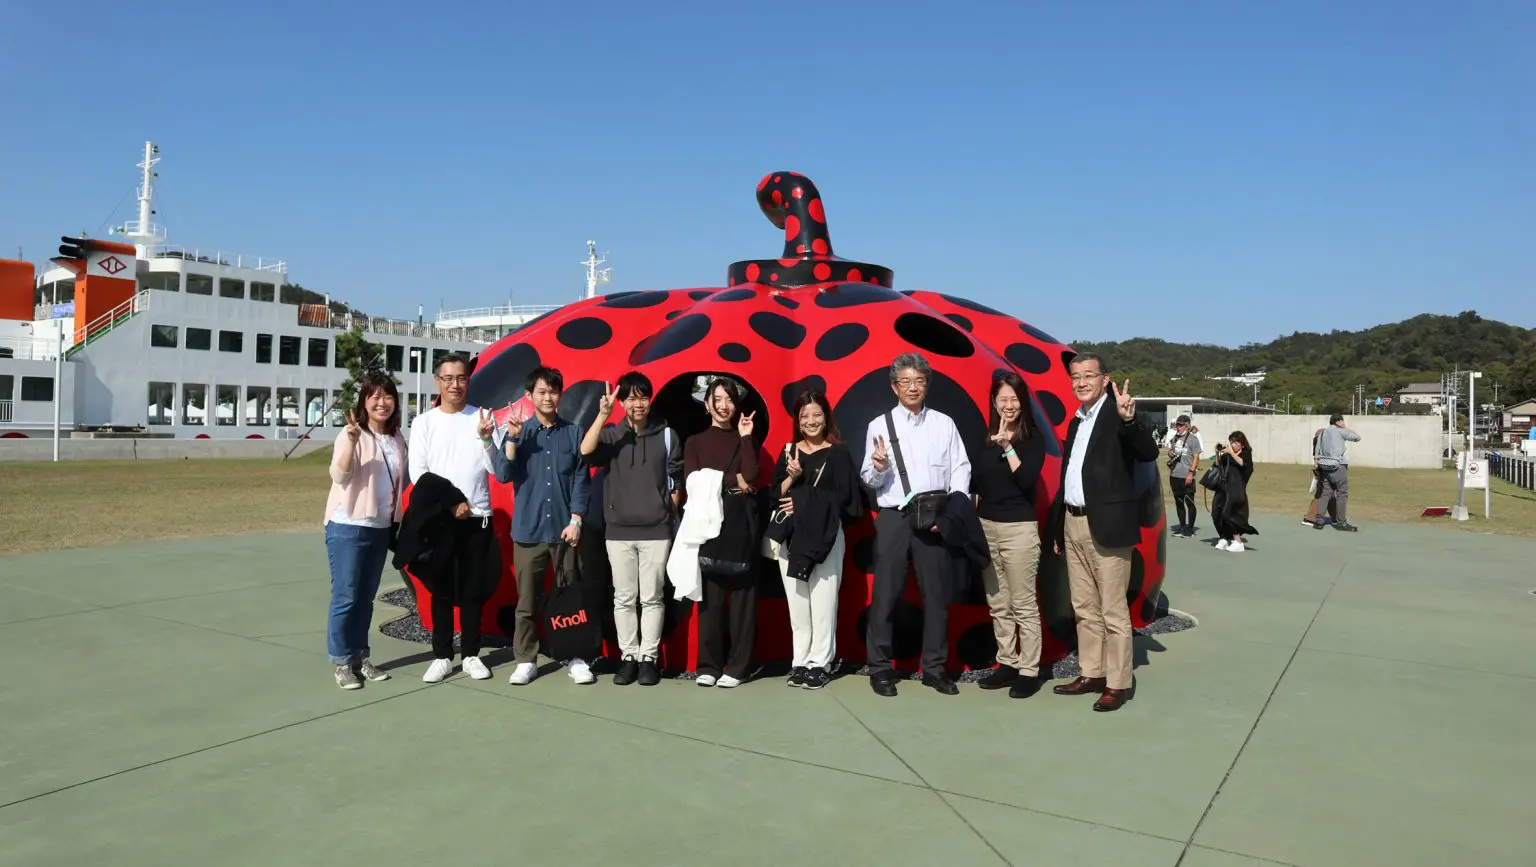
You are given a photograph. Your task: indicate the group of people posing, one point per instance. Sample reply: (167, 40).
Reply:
(700, 511)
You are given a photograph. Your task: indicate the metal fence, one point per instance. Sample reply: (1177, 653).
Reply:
(1518, 471)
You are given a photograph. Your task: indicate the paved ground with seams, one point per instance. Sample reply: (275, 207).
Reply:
(1347, 700)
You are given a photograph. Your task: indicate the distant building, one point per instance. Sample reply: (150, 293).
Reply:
(1430, 394)
(1516, 422)
(1249, 379)
(1160, 411)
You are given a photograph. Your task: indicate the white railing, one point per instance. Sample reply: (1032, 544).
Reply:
(216, 257)
(28, 348)
(405, 328)
(5, 412)
(135, 227)
(509, 311)
(104, 323)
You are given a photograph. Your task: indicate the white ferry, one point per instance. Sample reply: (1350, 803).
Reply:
(203, 344)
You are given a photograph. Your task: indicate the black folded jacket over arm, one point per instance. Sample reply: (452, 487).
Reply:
(426, 542)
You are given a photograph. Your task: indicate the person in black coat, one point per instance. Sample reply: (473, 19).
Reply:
(818, 491)
(1094, 523)
(1229, 504)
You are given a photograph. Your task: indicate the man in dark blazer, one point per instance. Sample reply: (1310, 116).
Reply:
(1095, 523)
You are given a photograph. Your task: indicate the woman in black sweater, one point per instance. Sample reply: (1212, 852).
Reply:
(815, 473)
(1229, 504)
(1003, 478)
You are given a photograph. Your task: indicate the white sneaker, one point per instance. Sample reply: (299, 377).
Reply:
(726, 682)
(580, 672)
(439, 669)
(705, 680)
(1237, 547)
(1223, 545)
(523, 674)
(475, 668)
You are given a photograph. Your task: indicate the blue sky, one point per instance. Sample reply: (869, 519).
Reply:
(1213, 171)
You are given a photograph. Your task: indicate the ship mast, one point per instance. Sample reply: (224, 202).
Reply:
(144, 232)
(594, 276)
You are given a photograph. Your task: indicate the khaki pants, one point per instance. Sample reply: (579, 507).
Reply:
(528, 564)
(639, 578)
(1010, 586)
(1099, 578)
(813, 608)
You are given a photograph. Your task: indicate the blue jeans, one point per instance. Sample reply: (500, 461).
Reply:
(357, 557)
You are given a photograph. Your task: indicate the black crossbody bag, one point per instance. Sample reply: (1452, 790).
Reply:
(922, 510)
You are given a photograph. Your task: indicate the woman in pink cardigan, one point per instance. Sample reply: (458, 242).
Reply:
(367, 477)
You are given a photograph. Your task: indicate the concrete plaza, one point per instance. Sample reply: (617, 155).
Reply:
(1348, 699)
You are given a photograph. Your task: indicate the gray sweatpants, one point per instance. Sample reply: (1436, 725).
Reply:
(1336, 485)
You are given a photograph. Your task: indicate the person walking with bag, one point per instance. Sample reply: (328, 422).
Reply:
(930, 461)
(728, 612)
(542, 461)
(367, 477)
(1004, 480)
(1229, 502)
(817, 488)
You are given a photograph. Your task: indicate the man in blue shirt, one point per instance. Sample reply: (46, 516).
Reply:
(541, 458)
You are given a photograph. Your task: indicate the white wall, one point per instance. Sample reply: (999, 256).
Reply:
(1393, 441)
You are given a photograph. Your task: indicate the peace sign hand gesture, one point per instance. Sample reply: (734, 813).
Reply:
(744, 424)
(1124, 403)
(1001, 439)
(605, 403)
(515, 419)
(487, 423)
(792, 461)
(879, 460)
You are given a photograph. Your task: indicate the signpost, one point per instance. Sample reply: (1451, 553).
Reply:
(1474, 473)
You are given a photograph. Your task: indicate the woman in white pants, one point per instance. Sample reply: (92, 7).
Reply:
(818, 490)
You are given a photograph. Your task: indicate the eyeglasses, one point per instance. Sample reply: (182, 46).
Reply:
(1086, 377)
(453, 380)
(919, 382)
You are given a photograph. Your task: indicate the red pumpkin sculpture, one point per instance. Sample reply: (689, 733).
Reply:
(808, 319)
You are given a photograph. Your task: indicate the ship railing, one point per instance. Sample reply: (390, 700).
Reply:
(408, 329)
(103, 324)
(28, 348)
(509, 311)
(138, 227)
(5, 412)
(218, 257)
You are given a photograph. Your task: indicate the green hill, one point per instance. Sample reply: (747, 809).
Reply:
(1323, 369)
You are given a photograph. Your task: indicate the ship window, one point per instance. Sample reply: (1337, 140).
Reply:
(231, 288)
(234, 341)
(288, 407)
(314, 406)
(263, 292)
(163, 335)
(227, 412)
(199, 284)
(336, 416)
(319, 351)
(394, 357)
(7, 387)
(199, 338)
(288, 350)
(263, 349)
(165, 281)
(417, 354)
(194, 403)
(437, 355)
(258, 405)
(37, 388)
(162, 399)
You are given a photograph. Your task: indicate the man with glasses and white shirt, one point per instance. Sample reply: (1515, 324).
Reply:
(909, 452)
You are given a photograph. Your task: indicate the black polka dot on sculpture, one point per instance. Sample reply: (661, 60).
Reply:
(735, 353)
(1055, 410)
(864, 554)
(1043, 422)
(701, 294)
(977, 647)
(1027, 358)
(733, 295)
(781, 331)
(634, 300)
(499, 380)
(1066, 358)
(960, 320)
(1162, 548)
(785, 301)
(1055, 596)
(841, 341)
(970, 305)
(579, 403)
(682, 335)
(792, 391)
(931, 334)
(854, 295)
(676, 313)
(1138, 575)
(585, 332)
(1036, 333)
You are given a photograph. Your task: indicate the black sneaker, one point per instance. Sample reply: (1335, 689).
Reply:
(1345, 526)
(628, 671)
(816, 678)
(1001, 677)
(650, 675)
(797, 677)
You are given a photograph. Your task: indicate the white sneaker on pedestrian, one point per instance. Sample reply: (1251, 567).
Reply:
(439, 669)
(705, 680)
(523, 674)
(580, 672)
(1237, 547)
(1222, 545)
(726, 682)
(475, 668)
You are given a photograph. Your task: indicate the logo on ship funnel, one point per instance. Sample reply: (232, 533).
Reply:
(111, 265)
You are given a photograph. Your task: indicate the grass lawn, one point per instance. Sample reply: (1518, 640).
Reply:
(45, 506)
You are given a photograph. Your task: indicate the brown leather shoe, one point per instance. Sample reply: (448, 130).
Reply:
(1081, 686)
(1112, 699)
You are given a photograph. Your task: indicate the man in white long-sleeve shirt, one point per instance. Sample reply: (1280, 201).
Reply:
(931, 458)
(453, 441)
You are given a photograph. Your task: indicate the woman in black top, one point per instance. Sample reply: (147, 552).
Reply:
(818, 491)
(1229, 505)
(1003, 479)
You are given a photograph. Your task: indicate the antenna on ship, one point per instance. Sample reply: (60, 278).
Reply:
(594, 276)
(144, 232)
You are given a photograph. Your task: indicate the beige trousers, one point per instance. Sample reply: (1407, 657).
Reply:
(1010, 586)
(1099, 578)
